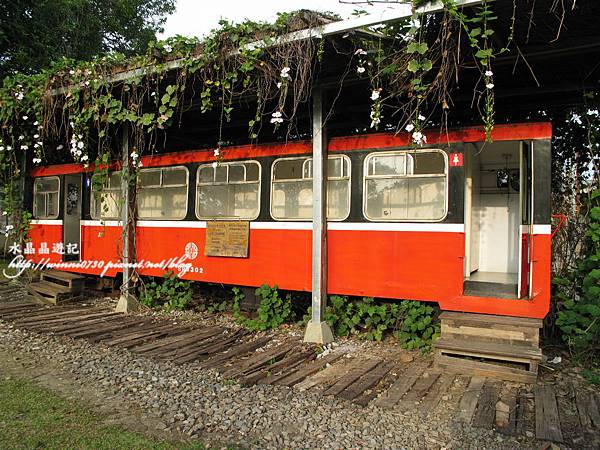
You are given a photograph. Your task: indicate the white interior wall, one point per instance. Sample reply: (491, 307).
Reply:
(474, 260)
(497, 213)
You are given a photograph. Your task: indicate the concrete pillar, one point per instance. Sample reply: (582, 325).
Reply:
(318, 331)
(127, 301)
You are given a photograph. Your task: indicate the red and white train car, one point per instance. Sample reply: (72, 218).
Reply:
(458, 222)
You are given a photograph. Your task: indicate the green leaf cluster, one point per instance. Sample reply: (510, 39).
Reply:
(273, 310)
(172, 293)
(410, 322)
(578, 294)
(418, 329)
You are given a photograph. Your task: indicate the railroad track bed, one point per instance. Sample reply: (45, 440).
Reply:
(414, 387)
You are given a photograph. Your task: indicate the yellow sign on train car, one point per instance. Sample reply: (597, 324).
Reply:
(227, 238)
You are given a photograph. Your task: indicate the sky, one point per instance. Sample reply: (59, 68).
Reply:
(198, 17)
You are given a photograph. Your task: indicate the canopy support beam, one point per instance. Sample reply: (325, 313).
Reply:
(317, 330)
(127, 301)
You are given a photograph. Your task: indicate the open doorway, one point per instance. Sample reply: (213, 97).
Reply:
(493, 217)
(72, 217)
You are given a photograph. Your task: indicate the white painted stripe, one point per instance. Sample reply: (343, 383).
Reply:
(281, 225)
(171, 224)
(335, 226)
(542, 229)
(100, 223)
(536, 229)
(397, 226)
(46, 222)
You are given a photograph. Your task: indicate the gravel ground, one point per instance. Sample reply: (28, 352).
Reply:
(199, 404)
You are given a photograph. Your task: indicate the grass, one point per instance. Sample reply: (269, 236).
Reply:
(34, 418)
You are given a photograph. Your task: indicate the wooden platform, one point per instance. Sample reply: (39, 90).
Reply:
(500, 347)
(56, 287)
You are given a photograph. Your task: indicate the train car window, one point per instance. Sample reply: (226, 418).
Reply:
(45, 197)
(106, 204)
(163, 193)
(291, 191)
(402, 186)
(228, 191)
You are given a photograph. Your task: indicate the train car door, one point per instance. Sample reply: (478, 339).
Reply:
(526, 213)
(72, 217)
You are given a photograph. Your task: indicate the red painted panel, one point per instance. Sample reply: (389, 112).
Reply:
(102, 244)
(506, 132)
(279, 257)
(50, 234)
(405, 265)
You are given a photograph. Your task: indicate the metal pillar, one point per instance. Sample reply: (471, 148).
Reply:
(317, 330)
(127, 301)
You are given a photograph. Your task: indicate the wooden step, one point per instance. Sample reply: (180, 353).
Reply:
(51, 293)
(505, 348)
(488, 320)
(69, 280)
(474, 347)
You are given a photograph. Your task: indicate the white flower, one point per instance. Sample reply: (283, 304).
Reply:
(19, 95)
(84, 158)
(4, 213)
(153, 94)
(60, 147)
(279, 85)
(36, 145)
(9, 227)
(36, 123)
(361, 52)
(87, 83)
(40, 143)
(410, 127)
(35, 136)
(71, 72)
(134, 155)
(276, 117)
(140, 164)
(375, 94)
(285, 73)
(1, 148)
(80, 144)
(168, 48)
(216, 152)
(72, 124)
(360, 69)
(421, 117)
(419, 137)
(215, 165)
(489, 73)
(21, 137)
(576, 118)
(490, 85)
(37, 160)
(24, 147)
(25, 117)
(8, 148)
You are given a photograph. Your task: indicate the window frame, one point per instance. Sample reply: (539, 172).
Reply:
(93, 200)
(225, 183)
(343, 157)
(35, 192)
(366, 177)
(161, 186)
